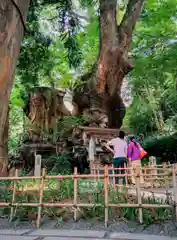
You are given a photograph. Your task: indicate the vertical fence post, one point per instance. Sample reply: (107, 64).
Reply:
(98, 174)
(126, 172)
(174, 186)
(154, 168)
(41, 193)
(138, 191)
(130, 171)
(75, 193)
(37, 167)
(113, 174)
(164, 165)
(92, 151)
(145, 172)
(149, 171)
(106, 194)
(13, 196)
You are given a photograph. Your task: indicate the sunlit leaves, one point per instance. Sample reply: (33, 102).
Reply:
(16, 99)
(154, 51)
(67, 22)
(74, 53)
(88, 40)
(88, 3)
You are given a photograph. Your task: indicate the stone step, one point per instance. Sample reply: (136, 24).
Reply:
(69, 238)
(68, 233)
(133, 236)
(5, 237)
(13, 231)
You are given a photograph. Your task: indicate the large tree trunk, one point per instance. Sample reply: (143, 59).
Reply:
(12, 17)
(44, 107)
(4, 148)
(102, 88)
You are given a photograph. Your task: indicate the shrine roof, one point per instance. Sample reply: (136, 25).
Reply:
(96, 131)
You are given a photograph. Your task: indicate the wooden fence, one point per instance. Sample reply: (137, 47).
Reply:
(153, 175)
(129, 172)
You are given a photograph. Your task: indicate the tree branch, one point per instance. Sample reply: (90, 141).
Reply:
(129, 20)
(108, 23)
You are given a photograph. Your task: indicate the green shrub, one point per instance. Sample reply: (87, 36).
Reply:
(163, 147)
(88, 192)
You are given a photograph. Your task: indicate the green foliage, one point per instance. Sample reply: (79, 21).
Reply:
(153, 80)
(69, 121)
(62, 190)
(140, 112)
(15, 117)
(88, 40)
(61, 164)
(67, 20)
(34, 52)
(74, 27)
(43, 61)
(163, 147)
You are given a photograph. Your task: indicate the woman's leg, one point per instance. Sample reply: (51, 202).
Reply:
(141, 176)
(115, 163)
(136, 163)
(122, 171)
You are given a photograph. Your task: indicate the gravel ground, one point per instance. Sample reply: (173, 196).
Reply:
(166, 228)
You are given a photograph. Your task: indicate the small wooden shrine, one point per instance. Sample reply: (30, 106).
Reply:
(95, 139)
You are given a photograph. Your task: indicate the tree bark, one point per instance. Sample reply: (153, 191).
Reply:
(102, 86)
(44, 107)
(13, 14)
(4, 148)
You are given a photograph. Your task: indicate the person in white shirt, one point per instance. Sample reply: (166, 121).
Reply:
(120, 152)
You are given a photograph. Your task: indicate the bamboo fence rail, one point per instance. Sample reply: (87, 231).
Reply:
(151, 172)
(138, 171)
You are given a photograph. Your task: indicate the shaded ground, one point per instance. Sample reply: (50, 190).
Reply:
(166, 228)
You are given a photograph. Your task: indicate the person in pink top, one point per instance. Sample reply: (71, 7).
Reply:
(120, 153)
(134, 151)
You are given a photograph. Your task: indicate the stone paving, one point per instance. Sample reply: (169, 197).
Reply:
(53, 234)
